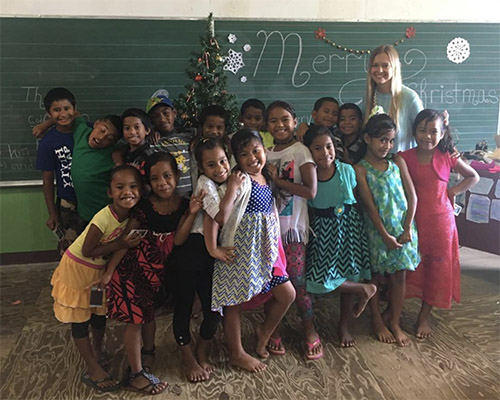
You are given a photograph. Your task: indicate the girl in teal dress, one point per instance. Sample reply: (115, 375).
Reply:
(390, 201)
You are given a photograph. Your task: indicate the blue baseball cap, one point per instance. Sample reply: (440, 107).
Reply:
(159, 97)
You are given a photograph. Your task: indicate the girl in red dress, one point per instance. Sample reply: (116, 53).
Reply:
(437, 279)
(136, 276)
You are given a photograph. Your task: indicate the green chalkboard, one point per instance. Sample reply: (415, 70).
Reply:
(114, 64)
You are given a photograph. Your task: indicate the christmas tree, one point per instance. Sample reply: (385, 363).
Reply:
(209, 83)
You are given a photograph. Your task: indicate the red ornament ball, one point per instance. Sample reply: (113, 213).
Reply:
(198, 78)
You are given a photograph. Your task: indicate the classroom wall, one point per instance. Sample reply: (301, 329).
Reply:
(345, 10)
(23, 209)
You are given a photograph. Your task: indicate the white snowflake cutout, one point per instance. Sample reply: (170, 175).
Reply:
(231, 38)
(247, 47)
(243, 79)
(234, 61)
(458, 50)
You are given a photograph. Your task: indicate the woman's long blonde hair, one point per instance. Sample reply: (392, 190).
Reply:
(396, 84)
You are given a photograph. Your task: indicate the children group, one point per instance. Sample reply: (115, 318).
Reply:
(271, 215)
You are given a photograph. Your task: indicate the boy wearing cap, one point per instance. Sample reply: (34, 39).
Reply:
(162, 113)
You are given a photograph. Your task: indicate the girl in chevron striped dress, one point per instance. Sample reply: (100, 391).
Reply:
(337, 254)
(253, 230)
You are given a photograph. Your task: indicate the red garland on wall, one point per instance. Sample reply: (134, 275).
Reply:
(321, 35)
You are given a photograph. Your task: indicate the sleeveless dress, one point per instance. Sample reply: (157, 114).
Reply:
(337, 249)
(437, 279)
(140, 275)
(389, 197)
(256, 251)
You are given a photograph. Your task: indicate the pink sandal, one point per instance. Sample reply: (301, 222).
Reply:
(278, 349)
(311, 347)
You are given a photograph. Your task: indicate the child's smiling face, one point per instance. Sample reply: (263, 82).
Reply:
(163, 117)
(349, 122)
(124, 190)
(214, 126)
(327, 114)
(134, 131)
(63, 114)
(323, 151)
(253, 118)
(281, 124)
(215, 165)
(103, 135)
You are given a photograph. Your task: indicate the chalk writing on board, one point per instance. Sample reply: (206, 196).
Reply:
(32, 94)
(283, 41)
(18, 156)
(322, 64)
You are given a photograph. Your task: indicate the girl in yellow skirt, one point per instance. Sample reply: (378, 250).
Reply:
(84, 262)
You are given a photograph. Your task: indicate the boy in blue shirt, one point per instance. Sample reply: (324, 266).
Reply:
(54, 158)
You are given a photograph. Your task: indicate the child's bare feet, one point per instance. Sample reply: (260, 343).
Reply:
(401, 339)
(262, 341)
(346, 339)
(193, 371)
(369, 290)
(382, 333)
(246, 361)
(202, 351)
(424, 328)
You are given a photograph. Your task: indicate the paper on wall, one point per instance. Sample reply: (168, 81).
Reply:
(483, 186)
(495, 209)
(478, 209)
(497, 189)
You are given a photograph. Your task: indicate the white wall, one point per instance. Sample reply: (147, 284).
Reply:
(336, 10)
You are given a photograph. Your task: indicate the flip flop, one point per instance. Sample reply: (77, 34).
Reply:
(310, 347)
(276, 343)
(87, 380)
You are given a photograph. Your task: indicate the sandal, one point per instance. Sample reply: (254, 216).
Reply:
(87, 380)
(275, 347)
(150, 353)
(311, 347)
(152, 386)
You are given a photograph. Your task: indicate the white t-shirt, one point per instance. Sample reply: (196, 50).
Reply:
(294, 219)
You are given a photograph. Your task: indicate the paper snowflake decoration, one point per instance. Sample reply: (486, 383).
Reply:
(234, 61)
(231, 38)
(458, 50)
(247, 47)
(243, 79)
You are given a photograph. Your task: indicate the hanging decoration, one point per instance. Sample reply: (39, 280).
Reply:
(231, 38)
(458, 50)
(234, 61)
(320, 34)
(243, 79)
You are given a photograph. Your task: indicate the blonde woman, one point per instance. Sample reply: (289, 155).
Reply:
(385, 89)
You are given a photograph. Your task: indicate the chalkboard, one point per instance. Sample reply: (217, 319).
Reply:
(114, 64)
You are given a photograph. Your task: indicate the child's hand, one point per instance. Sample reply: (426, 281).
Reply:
(224, 254)
(273, 172)
(235, 180)
(155, 137)
(103, 282)
(131, 240)
(451, 196)
(196, 202)
(38, 131)
(52, 222)
(391, 242)
(405, 236)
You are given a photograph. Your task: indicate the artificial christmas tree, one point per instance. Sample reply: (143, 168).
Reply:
(208, 83)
